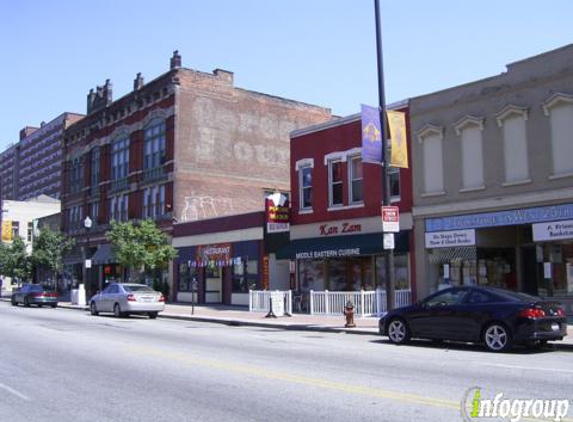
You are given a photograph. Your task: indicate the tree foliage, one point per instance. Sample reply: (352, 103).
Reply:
(49, 249)
(142, 247)
(15, 261)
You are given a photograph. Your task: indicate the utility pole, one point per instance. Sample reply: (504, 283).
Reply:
(388, 253)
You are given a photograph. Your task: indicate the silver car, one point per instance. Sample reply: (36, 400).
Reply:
(128, 298)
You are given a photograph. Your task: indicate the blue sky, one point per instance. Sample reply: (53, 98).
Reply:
(317, 51)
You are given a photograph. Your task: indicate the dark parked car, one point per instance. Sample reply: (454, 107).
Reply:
(496, 317)
(35, 294)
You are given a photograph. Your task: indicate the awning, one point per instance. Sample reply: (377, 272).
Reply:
(341, 246)
(103, 255)
(452, 255)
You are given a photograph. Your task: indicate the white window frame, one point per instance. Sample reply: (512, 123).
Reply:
(301, 166)
(351, 179)
(560, 142)
(330, 167)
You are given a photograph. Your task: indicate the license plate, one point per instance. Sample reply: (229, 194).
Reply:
(555, 326)
(147, 299)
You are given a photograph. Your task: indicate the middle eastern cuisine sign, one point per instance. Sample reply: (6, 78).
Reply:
(278, 214)
(331, 253)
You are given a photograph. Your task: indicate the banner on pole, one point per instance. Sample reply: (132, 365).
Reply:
(399, 151)
(371, 135)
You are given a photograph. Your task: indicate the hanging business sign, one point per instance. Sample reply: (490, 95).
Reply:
(277, 213)
(553, 231)
(6, 231)
(213, 255)
(450, 239)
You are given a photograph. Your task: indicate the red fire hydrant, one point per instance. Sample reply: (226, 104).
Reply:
(349, 315)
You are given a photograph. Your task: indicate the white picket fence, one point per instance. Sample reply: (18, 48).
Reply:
(366, 303)
(260, 300)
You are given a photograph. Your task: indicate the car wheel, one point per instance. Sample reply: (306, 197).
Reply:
(398, 331)
(26, 302)
(497, 337)
(54, 305)
(14, 303)
(117, 311)
(153, 315)
(93, 309)
(40, 305)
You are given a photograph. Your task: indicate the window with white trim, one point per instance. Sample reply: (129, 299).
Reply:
(560, 112)
(433, 164)
(335, 183)
(472, 157)
(305, 187)
(515, 148)
(356, 184)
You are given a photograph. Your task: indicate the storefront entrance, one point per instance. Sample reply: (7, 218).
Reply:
(213, 284)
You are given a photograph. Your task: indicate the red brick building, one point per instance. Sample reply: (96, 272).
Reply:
(186, 146)
(336, 227)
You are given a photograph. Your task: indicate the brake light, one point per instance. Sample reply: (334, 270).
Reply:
(162, 298)
(37, 294)
(560, 312)
(130, 297)
(531, 313)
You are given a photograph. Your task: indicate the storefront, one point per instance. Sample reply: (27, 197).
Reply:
(347, 263)
(528, 250)
(219, 273)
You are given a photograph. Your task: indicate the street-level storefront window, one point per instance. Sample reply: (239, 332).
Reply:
(559, 257)
(311, 275)
(346, 275)
(245, 275)
(401, 272)
(186, 276)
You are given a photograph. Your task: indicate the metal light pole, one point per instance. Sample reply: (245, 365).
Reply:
(88, 264)
(388, 253)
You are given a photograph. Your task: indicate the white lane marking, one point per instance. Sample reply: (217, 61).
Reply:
(16, 393)
(503, 365)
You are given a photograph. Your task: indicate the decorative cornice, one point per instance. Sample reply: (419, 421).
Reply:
(428, 130)
(555, 100)
(468, 120)
(511, 110)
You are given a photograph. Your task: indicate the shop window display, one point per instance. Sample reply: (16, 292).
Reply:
(245, 275)
(186, 276)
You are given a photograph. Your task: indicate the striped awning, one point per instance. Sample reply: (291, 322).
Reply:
(449, 255)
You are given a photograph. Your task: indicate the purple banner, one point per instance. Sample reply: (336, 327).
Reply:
(371, 135)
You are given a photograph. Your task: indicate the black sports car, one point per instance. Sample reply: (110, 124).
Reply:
(498, 318)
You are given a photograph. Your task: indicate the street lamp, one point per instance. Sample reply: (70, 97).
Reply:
(88, 263)
(388, 253)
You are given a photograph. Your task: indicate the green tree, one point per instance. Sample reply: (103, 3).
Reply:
(49, 249)
(142, 248)
(15, 260)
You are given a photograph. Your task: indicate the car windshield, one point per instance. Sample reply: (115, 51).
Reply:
(137, 288)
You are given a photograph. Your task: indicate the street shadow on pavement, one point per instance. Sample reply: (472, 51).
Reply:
(446, 346)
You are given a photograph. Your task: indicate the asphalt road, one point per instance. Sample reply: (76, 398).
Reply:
(65, 365)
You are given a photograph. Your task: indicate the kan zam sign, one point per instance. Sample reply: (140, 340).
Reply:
(450, 239)
(339, 228)
(553, 231)
(332, 253)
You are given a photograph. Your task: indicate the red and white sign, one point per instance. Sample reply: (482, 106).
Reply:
(390, 219)
(278, 213)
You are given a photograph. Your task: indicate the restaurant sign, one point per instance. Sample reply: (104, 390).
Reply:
(277, 213)
(331, 253)
(213, 255)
